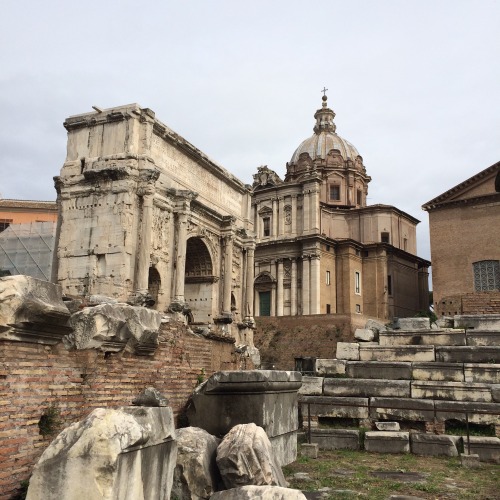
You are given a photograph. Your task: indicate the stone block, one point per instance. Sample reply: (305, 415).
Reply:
(376, 326)
(348, 350)
(336, 439)
(468, 354)
(32, 310)
(478, 321)
(488, 448)
(259, 493)
(452, 391)
(196, 474)
(284, 448)
(470, 461)
(456, 410)
(267, 398)
(114, 327)
(396, 353)
(107, 454)
(365, 335)
(366, 388)
(437, 337)
(309, 450)
(387, 426)
(483, 338)
(434, 445)
(401, 409)
(445, 322)
(335, 407)
(482, 372)
(330, 367)
(387, 442)
(495, 393)
(379, 370)
(312, 386)
(452, 372)
(245, 457)
(413, 324)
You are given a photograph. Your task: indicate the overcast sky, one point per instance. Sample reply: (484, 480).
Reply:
(415, 84)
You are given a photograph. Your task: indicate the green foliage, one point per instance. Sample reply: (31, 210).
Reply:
(50, 420)
(427, 314)
(201, 377)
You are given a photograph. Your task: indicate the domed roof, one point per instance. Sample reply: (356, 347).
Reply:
(325, 139)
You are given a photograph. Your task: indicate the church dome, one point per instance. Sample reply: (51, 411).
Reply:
(324, 139)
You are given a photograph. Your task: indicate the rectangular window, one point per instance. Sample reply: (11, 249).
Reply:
(389, 284)
(385, 237)
(267, 226)
(358, 308)
(405, 244)
(334, 192)
(328, 309)
(359, 196)
(328, 277)
(357, 282)
(4, 224)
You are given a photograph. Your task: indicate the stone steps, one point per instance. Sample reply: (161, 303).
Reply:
(419, 337)
(468, 354)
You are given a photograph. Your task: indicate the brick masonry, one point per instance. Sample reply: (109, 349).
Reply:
(281, 339)
(33, 377)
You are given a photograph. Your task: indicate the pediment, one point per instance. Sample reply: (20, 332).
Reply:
(265, 210)
(484, 183)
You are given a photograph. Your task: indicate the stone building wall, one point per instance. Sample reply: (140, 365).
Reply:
(33, 377)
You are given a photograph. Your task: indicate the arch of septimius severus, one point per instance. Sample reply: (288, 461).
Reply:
(146, 217)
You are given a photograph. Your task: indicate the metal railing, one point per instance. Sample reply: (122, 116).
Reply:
(369, 407)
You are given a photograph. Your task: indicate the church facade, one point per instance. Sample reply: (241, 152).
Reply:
(146, 217)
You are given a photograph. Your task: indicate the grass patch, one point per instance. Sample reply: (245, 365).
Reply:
(352, 470)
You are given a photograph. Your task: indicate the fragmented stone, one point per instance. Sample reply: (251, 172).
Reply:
(365, 335)
(150, 397)
(108, 455)
(259, 493)
(112, 327)
(196, 475)
(348, 351)
(245, 457)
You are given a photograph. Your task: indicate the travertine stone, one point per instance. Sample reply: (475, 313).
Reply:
(488, 448)
(309, 450)
(468, 354)
(437, 337)
(401, 409)
(334, 407)
(312, 386)
(447, 410)
(259, 493)
(445, 322)
(397, 353)
(453, 391)
(129, 452)
(366, 388)
(486, 373)
(365, 335)
(330, 367)
(483, 338)
(495, 393)
(196, 475)
(478, 321)
(245, 457)
(336, 439)
(470, 461)
(413, 324)
(387, 426)
(376, 326)
(387, 442)
(267, 398)
(348, 350)
(379, 370)
(112, 327)
(32, 310)
(452, 372)
(434, 445)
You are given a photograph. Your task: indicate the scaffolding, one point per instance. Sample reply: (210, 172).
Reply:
(27, 249)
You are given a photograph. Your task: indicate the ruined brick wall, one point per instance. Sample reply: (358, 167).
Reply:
(281, 339)
(481, 303)
(33, 377)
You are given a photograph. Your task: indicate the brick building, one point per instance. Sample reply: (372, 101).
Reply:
(465, 245)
